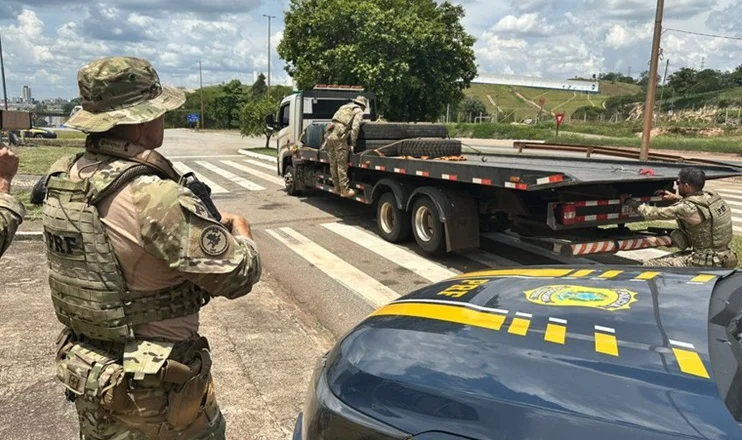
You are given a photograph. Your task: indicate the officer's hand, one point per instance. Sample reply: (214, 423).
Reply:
(667, 195)
(236, 224)
(8, 168)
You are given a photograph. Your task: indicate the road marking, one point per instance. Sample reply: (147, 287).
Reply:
(273, 179)
(261, 164)
(356, 281)
(233, 177)
(264, 157)
(459, 315)
(488, 259)
(519, 326)
(183, 169)
(414, 263)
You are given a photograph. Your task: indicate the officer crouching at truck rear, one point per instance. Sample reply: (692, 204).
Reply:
(704, 233)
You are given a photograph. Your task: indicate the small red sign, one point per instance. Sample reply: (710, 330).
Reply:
(559, 118)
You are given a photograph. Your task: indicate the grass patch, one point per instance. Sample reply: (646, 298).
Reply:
(713, 145)
(38, 160)
(33, 212)
(267, 151)
(70, 134)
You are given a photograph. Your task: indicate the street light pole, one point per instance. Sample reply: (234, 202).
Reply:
(2, 70)
(649, 106)
(201, 90)
(269, 48)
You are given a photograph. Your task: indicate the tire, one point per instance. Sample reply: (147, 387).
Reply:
(289, 180)
(427, 228)
(430, 148)
(372, 144)
(386, 130)
(38, 136)
(393, 223)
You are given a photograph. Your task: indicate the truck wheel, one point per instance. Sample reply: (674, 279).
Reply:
(388, 130)
(430, 148)
(289, 180)
(427, 227)
(394, 223)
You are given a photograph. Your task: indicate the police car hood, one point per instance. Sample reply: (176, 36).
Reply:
(540, 353)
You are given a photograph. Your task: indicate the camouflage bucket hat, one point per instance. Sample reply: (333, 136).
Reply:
(361, 100)
(119, 91)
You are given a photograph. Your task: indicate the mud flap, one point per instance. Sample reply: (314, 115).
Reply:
(462, 222)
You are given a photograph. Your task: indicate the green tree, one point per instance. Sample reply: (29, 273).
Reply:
(256, 108)
(227, 104)
(472, 107)
(736, 76)
(683, 80)
(68, 106)
(414, 54)
(259, 88)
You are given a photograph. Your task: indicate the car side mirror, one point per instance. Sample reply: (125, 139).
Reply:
(270, 122)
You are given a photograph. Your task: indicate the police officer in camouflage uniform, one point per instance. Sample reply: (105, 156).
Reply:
(133, 255)
(342, 135)
(11, 211)
(704, 221)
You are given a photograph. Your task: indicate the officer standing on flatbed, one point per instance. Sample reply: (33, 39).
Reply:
(704, 221)
(342, 136)
(11, 211)
(133, 255)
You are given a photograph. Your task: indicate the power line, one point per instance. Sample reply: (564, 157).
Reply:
(726, 37)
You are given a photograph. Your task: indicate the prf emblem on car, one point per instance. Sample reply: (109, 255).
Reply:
(582, 296)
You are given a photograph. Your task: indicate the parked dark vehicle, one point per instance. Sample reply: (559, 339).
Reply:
(540, 353)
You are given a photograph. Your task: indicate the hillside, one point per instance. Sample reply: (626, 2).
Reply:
(523, 102)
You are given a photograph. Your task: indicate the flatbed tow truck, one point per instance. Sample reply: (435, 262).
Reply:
(570, 206)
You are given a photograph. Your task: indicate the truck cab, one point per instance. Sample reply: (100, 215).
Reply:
(303, 108)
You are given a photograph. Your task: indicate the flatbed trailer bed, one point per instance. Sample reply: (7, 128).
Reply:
(565, 204)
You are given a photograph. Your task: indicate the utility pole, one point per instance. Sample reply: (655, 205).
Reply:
(652, 87)
(269, 49)
(2, 70)
(201, 90)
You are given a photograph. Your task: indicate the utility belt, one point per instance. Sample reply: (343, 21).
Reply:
(114, 374)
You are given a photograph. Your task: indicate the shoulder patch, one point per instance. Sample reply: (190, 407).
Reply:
(214, 241)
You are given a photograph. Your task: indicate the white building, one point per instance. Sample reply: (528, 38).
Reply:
(27, 94)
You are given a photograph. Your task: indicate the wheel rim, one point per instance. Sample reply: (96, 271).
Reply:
(386, 218)
(424, 224)
(288, 179)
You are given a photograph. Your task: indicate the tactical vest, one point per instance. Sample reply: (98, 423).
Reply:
(89, 292)
(715, 231)
(344, 119)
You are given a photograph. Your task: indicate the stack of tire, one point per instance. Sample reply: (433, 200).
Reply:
(404, 139)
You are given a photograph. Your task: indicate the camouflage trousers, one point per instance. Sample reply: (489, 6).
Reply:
(723, 259)
(154, 407)
(338, 150)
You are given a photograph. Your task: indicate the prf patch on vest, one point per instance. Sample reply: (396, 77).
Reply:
(214, 241)
(66, 244)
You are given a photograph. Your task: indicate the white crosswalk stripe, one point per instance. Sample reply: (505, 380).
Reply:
(233, 177)
(215, 188)
(261, 164)
(356, 281)
(264, 176)
(409, 260)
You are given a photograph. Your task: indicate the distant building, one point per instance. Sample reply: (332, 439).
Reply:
(27, 94)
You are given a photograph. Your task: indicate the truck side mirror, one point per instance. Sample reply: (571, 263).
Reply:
(270, 122)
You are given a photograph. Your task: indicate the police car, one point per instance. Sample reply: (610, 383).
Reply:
(540, 353)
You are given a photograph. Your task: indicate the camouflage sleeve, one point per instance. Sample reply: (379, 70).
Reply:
(11, 215)
(677, 211)
(176, 226)
(355, 127)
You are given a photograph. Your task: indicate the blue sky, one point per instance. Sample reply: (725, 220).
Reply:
(45, 43)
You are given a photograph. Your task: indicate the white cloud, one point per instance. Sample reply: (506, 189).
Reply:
(525, 24)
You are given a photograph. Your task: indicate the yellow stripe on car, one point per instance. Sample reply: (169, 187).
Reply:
(535, 273)
(459, 315)
(702, 279)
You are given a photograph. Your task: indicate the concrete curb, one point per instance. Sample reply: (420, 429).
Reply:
(29, 236)
(264, 157)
